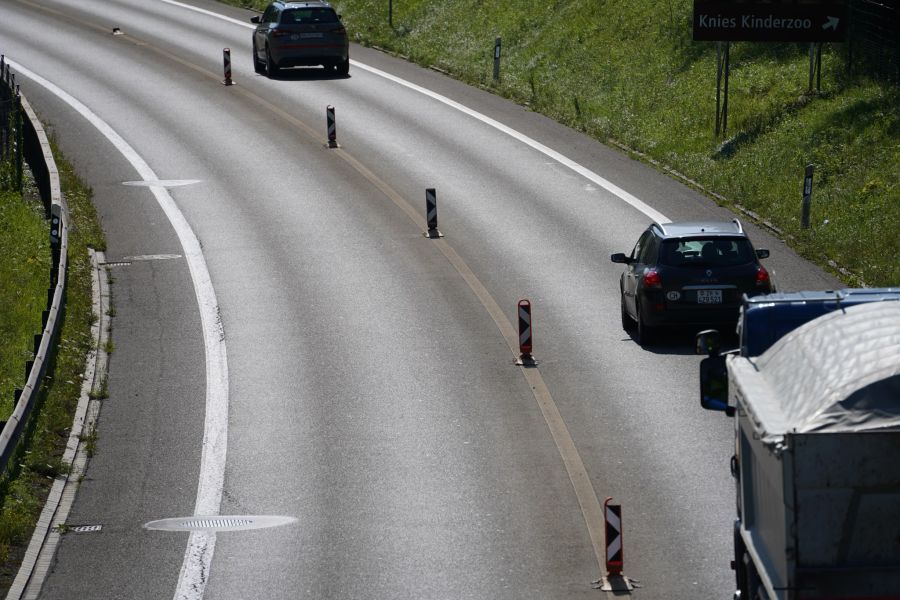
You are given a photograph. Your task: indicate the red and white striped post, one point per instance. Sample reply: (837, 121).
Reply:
(332, 126)
(614, 554)
(525, 333)
(227, 57)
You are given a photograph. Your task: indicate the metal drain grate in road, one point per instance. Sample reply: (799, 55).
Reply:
(86, 528)
(219, 523)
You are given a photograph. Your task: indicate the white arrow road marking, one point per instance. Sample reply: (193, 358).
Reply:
(166, 183)
(199, 553)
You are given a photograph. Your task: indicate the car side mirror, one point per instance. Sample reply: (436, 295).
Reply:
(714, 385)
(762, 253)
(620, 257)
(254, 19)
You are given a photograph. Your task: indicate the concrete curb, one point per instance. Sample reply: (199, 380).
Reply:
(39, 556)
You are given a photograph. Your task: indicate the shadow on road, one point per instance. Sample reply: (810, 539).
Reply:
(681, 341)
(307, 74)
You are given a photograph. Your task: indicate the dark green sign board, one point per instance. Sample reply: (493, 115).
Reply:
(760, 21)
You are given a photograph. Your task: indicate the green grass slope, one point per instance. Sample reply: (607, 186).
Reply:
(628, 71)
(24, 279)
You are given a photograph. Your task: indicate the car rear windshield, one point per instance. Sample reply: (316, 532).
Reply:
(308, 16)
(706, 252)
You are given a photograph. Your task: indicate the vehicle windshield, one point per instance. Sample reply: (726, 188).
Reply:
(706, 252)
(308, 16)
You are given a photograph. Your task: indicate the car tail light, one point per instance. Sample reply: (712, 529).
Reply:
(652, 279)
(339, 31)
(280, 33)
(762, 277)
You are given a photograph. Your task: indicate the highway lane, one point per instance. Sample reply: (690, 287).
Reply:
(371, 394)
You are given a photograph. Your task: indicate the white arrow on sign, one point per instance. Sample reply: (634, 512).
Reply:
(832, 23)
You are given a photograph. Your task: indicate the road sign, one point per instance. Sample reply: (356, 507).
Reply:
(756, 21)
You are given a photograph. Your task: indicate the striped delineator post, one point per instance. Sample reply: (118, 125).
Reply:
(226, 53)
(431, 213)
(525, 333)
(332, 127)
(614, 554)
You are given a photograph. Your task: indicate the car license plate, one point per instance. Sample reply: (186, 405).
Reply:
(311, 35)
(709, 296)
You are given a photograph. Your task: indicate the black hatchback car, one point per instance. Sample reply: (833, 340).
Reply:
(690, 274)
(292, 34)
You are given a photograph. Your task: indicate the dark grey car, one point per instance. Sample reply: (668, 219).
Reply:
(689, 274)
(292, 34)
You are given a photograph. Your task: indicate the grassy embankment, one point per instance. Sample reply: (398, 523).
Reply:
(627, 71)
(24, 277)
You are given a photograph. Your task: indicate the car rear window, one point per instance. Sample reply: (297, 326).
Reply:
(308, 16)
(706, 252)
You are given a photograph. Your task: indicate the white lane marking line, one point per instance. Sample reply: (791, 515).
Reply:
(152, 257)
(549, 152)
(210, 13)
(166, 183)
(199, 552)
(610, 187)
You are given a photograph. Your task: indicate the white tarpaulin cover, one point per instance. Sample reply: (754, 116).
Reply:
(837, 373)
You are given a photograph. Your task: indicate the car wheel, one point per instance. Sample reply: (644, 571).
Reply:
(258, 65)
(627, 322)
(646, 335)
(271, 67)
(343, 67)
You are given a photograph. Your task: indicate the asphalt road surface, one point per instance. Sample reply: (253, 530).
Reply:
(370, 390)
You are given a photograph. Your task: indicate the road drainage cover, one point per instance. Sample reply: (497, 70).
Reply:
(219, 523)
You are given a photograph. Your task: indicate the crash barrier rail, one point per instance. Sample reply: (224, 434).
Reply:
(35, 150)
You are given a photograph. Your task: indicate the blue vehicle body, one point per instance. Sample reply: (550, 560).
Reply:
(766, 319)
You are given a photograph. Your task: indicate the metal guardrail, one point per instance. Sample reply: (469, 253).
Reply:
(34, 146)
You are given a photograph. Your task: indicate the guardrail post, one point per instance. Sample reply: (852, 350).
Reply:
(55, 233)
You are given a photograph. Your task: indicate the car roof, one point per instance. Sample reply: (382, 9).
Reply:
(682, 229)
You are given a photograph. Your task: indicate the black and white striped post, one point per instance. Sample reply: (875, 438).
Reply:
(614, 555)
(807, 196)
(332, 127)
(497, 59)
(226, 53)
(431, 214)
(525, 334)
